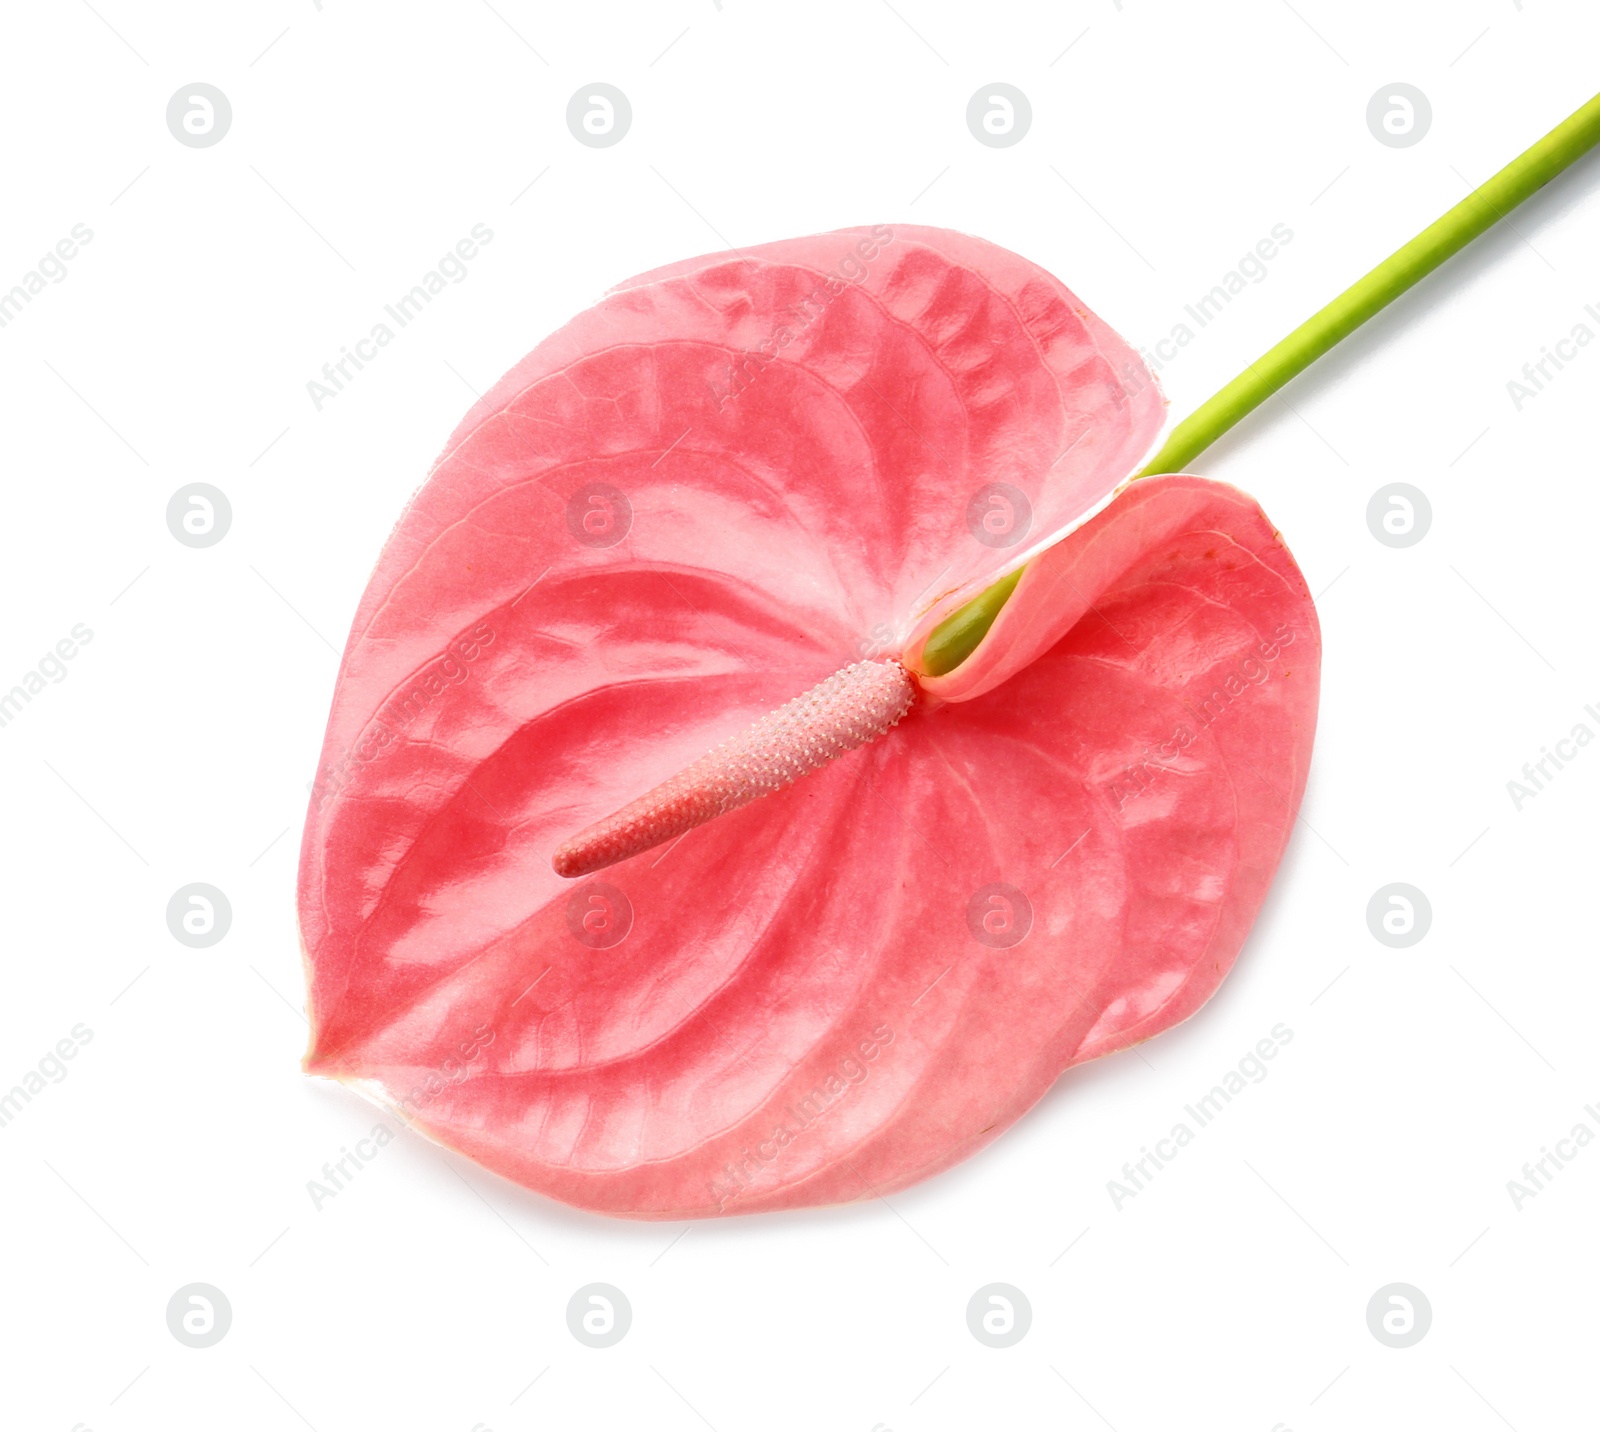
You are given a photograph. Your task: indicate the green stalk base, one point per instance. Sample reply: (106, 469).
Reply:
(957, 636)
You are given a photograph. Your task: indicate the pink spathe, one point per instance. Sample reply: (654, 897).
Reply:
(787, 445)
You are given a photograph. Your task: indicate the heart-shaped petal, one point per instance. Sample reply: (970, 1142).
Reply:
(642, 541)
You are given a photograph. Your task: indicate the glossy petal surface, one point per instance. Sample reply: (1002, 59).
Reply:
(799, 1002)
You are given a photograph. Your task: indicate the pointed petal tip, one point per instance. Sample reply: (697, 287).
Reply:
(320, 1062)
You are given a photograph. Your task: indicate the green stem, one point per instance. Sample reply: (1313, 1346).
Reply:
(955, 638)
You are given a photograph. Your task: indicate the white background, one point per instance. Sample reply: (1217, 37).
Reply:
(1167, 139)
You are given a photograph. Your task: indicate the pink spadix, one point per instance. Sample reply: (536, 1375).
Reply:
(855, 705)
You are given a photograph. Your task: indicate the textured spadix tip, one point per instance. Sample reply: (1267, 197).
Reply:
(857, 704)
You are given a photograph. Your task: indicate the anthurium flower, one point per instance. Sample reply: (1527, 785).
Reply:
(730, 482)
